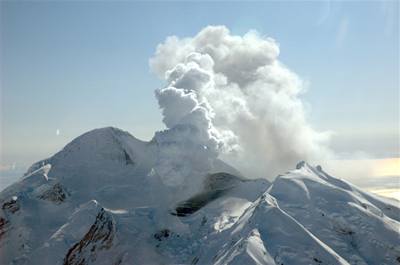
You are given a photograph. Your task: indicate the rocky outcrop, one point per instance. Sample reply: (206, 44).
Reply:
(55, 194)
(11, 206)
(99, 237)
(3, 226)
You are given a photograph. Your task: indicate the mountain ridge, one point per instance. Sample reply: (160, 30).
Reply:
(100, 201)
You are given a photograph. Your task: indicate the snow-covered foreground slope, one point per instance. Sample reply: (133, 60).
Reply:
(99, 201)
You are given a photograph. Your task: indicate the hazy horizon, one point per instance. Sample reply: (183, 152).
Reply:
(70, 67)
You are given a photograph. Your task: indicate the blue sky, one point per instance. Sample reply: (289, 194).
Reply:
(75, 66)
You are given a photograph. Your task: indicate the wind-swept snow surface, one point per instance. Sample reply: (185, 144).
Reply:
(104, 202)
(359, 226)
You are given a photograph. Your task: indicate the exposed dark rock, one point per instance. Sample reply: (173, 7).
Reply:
(3, 226)
(317, 260)
(128, 159)
(345, 231)
(220, 181)
(160, 235)
(215, 186)
(195, 260)
(99, 237)
(300, 164)
(55, 194)
(11, 206)
(3, 222)
(203, 221)
(196, 202)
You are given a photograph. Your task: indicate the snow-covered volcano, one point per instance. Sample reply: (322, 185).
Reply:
(101, 201)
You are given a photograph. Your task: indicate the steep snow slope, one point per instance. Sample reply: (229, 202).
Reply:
(359, 226)
(99, 201)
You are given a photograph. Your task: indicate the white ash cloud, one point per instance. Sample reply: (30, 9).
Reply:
(240, 100)
(190, 144)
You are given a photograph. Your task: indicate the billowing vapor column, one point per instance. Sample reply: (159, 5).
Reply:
(230, 97)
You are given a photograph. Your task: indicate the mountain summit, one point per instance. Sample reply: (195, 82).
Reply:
(101, 200)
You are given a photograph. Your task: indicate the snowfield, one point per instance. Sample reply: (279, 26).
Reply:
(101, 201)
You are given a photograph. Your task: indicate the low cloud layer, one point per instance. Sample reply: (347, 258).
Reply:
(230, 97)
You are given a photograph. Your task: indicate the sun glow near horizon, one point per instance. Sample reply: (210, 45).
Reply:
(379, 176)
(386, 166)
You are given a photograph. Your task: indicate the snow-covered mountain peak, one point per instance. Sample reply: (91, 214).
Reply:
(101, 200)
(102, 144)
(341, 215)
